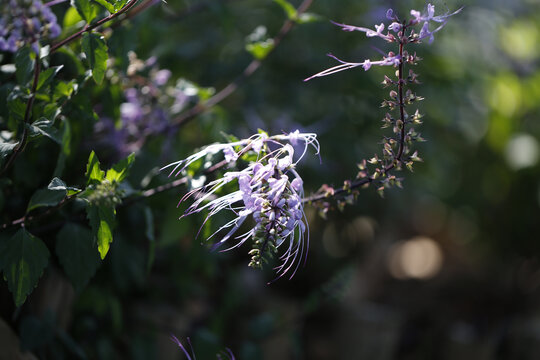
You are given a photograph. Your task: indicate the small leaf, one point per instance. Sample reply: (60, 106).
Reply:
(45, 197)
(106, 5)
(93, 172)
(119, 4)
(102, 222)
(77, 254)
(86, 9)
(6, 148)
(71, 18)
(95, 49)
(45, 127)
(260, 49)
(307, 18)
(45, 77)
(119, 171)
(288, 8)
(24, 258)
(24, 65)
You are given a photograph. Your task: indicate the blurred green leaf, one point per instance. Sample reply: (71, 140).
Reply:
(94, 174)
(108, 6)
(260, 49)
(71, 18)
(24, 64)
(95, 49)
(24, 258)
(45, 77)
(77, 254)
(120, 170)
(306, 18)
(86, 9)
(119, 4)
(289, 9)
(102, 220)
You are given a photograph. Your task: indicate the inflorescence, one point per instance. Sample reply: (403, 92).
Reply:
(269, 191)
(26, 22)
(397, 149)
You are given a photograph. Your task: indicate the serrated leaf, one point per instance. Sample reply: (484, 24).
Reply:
(95, 49)
(288, 8)
(94, 174)
(102, 222)
(86, 9)
(7, 148)
(24, 258)
(24, 65)
(45, 77)
(45, 127)
(106, 5)
(119, 171)
(260, 49)
(77, 254)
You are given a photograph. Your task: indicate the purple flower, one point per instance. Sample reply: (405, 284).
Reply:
(369, 32)
(269, 191)
(390, 60)
(430, 16)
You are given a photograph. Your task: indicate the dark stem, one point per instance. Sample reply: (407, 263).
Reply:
(27, 115)
(91, 27)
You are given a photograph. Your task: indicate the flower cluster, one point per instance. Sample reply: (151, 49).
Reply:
(150, 105)
(396, 33)
(397, 149)
(270, 191)
(26, 22)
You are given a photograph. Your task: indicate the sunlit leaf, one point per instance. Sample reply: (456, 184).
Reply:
(95, 49)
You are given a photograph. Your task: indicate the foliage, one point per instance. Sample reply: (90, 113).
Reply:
(97, 96)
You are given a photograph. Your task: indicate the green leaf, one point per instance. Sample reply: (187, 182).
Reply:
(119, 4)
(71, 18)
(24, 65)
(66, 149)
(119, 171)
(45, 77)
(307, 18)
(45, 127)
(260, 49)
(288, 8)
(106, 5)
(95, 49)
(93, 172)
(45, 197)
(6, 148)
(23, 259)
(102, 222)
(86, 9)
(58, 184)
(77, 254)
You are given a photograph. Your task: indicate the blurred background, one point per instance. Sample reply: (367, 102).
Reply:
(445, 268)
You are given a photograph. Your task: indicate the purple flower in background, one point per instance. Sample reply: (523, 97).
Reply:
(26, 22)
(269, 191)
